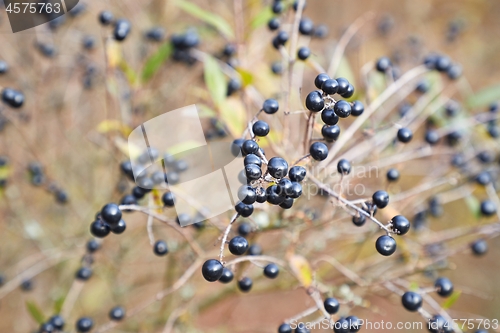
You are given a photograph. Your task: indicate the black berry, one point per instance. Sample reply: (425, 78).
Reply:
(227, 276)
(297, 173)
(168, 199)
(117, 313)
(400, 225)
(380, 199)
(329, 117)
(385, 245)
(84, 274)
(260, 128)
(330, 133)
(392, 175)
(111, 213)
(277, 167)
(212, 270)
(270, 106)
(479, 247)
(330, 86)
(488, 208)
(318, 151)
(271, 271)
(84, 324)
(411, 301)
(160, 248)
(315, 102)
(331, 305)
(405, 135)
(342, 109)
(357, 108)
(344, 167)
(238, 245)
(444, 287)
(99, 229)
(320, 79)
(243, 209)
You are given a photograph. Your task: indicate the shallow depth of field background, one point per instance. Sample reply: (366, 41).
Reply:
(59, 129)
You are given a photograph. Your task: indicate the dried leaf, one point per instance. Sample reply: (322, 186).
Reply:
(301, 268)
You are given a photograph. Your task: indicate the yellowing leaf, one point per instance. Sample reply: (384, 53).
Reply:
(451, 300)
(246, 76)
(113, 53)
(302, 270)
(110, 125)
(215, 80)
(232, 114)
(214, 20)
(129, 72)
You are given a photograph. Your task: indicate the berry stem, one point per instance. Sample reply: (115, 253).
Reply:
(300, 159)
(226, 234)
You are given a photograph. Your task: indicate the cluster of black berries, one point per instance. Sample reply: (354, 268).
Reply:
(492, 125)
(109, 219)
(37, 176)
(54, 324)
(183, 43)
(443, 64)
(85, 324)
(121, 27)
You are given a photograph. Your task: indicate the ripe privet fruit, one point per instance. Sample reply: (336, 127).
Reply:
(284, 187)
(444, 287)
(271, 271)
(253, 172)
(488, 208)
(247, 194)
(119, 227)
(431, 137)
(227, 276)
(380, 199)
(303, 53)
(277, 167)
(479, 247)
(284, 328)
(306, 26)
(83, 274)
(57, 321)
(233, 86)
(93, 246)
(442, 63)
(243, 209)
(84, 325)
(236, 147)
(405, 135)
(156, 34)
(329, 117)
(484, 178)
(357, 108)
(331, 305)
(400, 225)
(252, 159)
(99, 229)
(287, 203)
(117, 313)
(342, 109)
(280, 39)
(315, 102)
(244, 229)
(273, 195)
(111, 214)
(12, 97)
(392, 175)
(254, 250)
(385, 245)
(273, 24)
(128, 199)
(168, 199)
(437, 324)
(343, 85)
(349, 91)
(249, 147)
(160, 248)
(212, 270)
(359, 220)
(295, 190)
(330, 86)
(383, 64)
(320, 79)
(260, 128)
(261, 195)
(245, 284)
(297, 173)
(278, 7)
(411, 301)
(344, 167)
(330, 133)
(318, 151)
(354, 324)
(270, 106)
(122, 29)
(238, 245)
(105, 17)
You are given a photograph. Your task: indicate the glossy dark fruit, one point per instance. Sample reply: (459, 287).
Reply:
(168, 199)
(318, 151)
(280, 39)
(238, 245)
(303, 53)
(454, 72)
(111, 214)
(342, 109)
(247, 194)
(277, 68)
(261, 195)
(117, 313)
(432, 137)
(278, 7)
(227, 276)
(253, 172)
(444, 287)
(93, 246)
(128, 199)
(284, 328)
(12, 97)
(359, 220)
(236, 147)
(254, 250)
(106, 17)
(344, 167)
(249, 147)
(271, 271)
(297, 173)
(245, 284)
(380, 199)
(58, 322)
(357, 108)
(320, 79)
(423, 86)
(392, 175)
(442, 63)
(354, 324)
(260, 128)
(273, 195)
(243, 209)
(212, 270)
(244, 229)
(83, 274)
(160, 248)
(331, 305)
(122, 29)
(349, 91)
(287, 203)
(343, 85)
(314, 101)
(411, 301)
(400, 225)
(488, 208)
(84, 325)
(270, 106)
(252, 159)
(273, 24)
(330, 133)
(329, 117)
(405, 135)
(320, 31)
(383, 64)
(330, 86)
(295, 190)
(306, 26)
(233, 86)
(118, 228)
(277, 167)
(483, 178)
(284, 186)
(99, 229)
(438, 324)
(479, 247)
(156, 34)
(385, 245)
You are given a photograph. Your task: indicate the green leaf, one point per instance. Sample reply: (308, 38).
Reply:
(262, 18)
(215, 80)
(484, 97)
(155, 61)
(58, 304)
(35, 312)
(474, 206)
(214, 20)
(246, 76)
(451, 300)
(413, 286)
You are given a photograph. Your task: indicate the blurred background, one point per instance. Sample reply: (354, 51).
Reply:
(78, 106)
